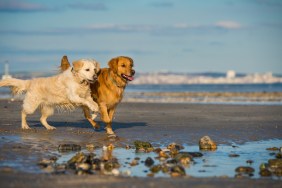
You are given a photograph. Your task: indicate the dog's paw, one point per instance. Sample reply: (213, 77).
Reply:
(50, 128)
(26, 128)
(97, 127)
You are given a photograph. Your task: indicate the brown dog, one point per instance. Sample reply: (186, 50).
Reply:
(108, 90)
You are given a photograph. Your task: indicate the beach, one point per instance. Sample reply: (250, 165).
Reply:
(157, 123)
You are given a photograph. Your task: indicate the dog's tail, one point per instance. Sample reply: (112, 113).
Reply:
(64, 64)
(17, 86)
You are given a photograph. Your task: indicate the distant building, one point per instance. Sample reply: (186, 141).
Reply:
(230, 74)
(6, 73)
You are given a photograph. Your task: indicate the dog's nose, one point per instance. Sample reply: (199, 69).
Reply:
(95, 77)
(132, 72)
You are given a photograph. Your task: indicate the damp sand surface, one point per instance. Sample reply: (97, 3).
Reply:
(245, 130)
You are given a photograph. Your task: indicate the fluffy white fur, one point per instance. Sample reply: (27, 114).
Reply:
(66, 90)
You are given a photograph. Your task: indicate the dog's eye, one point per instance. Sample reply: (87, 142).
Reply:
(123, 65)
(87, 69)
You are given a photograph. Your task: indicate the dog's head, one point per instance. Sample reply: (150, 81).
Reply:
(123, 67)
(86, 69)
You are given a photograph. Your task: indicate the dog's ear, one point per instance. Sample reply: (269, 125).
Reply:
(113, 64)
(77, 65)
(98, 69)
(64, 64)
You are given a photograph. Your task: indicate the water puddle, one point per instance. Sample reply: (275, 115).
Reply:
(22, 155)
(219, 163)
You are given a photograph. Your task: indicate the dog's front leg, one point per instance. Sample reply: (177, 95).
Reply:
(88, 101)
(90, 118)
(105, 117)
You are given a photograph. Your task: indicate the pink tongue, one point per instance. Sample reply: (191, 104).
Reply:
(130, 78)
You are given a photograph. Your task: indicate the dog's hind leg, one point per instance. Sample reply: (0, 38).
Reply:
(24, 123)
(29, 106)
(46, 111)
(90, 118)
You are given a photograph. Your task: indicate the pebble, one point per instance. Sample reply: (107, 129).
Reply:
(177, 171)
(233, 155)
(250, 161)
(69, 147)
(206, 143)
(149, 161)
(245, 169)
(265, 172)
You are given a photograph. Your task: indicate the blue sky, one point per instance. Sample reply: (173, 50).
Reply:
(170, 35)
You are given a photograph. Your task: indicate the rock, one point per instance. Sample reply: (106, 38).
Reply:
(149, 161)
(184, 158)
(265, 172)
(233, 155)
(278, 171)
(278, 155)
(275, 166)
(78, 158)
(155, 168)
(157, 150)
(134, 162)
(83, 166)
(175, 146)
(44, 163)
(115, 172)
(126, 173)
(272, 149)
(143, 146)
(195, 154)
(206, 143)
(173, 152)
(275, 163)
(250, 161)
(69, 147)
(90, 147)
(60, 169)
(245, 169)
(171, 162)
(163, 154)
(263, 166)
(177, 171)
(112, 164)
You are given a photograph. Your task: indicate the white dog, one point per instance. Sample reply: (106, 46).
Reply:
(66, 90)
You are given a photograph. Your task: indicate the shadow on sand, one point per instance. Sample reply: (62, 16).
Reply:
(85, 124)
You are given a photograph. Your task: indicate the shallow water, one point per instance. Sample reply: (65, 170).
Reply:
(212, 164)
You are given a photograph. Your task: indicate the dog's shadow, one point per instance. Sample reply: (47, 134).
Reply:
(85, 124)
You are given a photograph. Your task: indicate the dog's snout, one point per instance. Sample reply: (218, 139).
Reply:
(132, 72)
(95, 77)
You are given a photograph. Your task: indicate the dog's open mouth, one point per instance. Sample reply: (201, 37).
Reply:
(128, 78)
(90, 81)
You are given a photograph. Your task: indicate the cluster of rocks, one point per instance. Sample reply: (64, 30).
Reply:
(171, 159)
(82, 163)
(273, 166)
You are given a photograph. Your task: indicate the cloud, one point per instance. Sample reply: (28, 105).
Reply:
(88, 6)
(175, 29)
(228, 25)
(21, 6)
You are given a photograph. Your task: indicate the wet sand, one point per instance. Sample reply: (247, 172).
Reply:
(157, 123)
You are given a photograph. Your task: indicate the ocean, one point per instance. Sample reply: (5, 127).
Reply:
(251, 94)
(276, 87)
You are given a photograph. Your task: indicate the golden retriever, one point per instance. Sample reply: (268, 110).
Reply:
(109, 88)
(66, 90)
